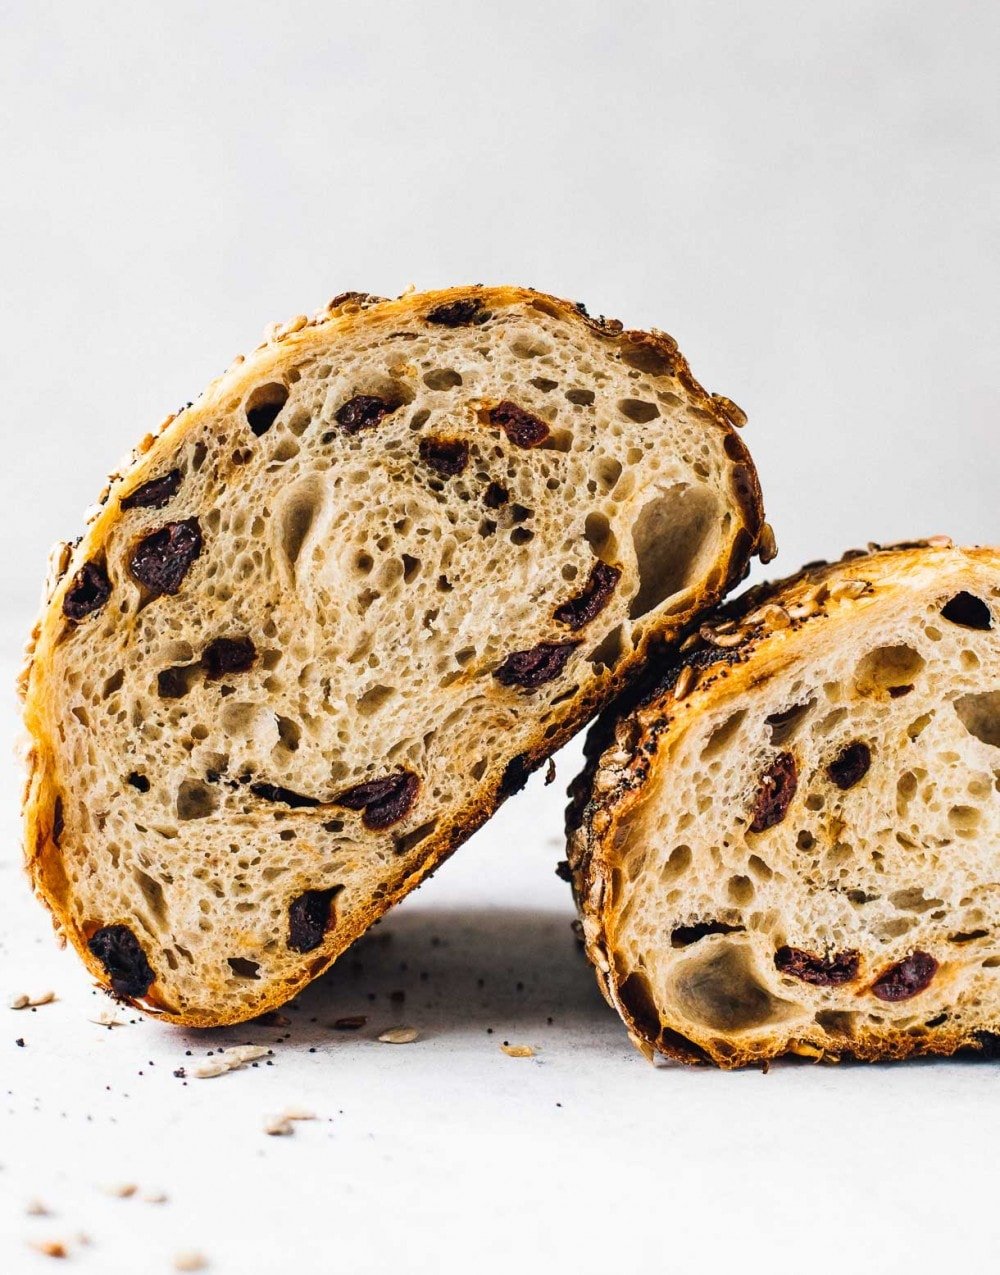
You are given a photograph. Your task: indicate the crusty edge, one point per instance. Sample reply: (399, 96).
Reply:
(622, 744)
(748, 536)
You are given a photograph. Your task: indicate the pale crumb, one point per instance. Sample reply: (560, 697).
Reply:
(190, 1262)
(51, 1248)
(518, 1051)
(107, 1018)
(36, 1208)
(399, 1036)
(121, 1190)
(278, 1127)
(24, 1001)
(155, 1197)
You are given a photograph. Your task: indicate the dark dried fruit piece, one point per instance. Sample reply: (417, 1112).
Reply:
(88, 592)
(273, 792)
(385, 801)
(496, 494)
(601, 584)
(118, 950)
(850, 765)
(161, 560)
(821, 971)
(535, 666)
(909, 977)
(154, 494)
(685, 935)
(968, 610)
(521, 427)
(777, 788)
(449, 456)
(564, 872)
(362, 412)
(309, 918)
(228, 655)
(457, 314)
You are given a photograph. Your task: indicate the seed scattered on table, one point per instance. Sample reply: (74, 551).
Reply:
(24, 1001)
(517, 1051)
(399, 1036)
(190, 1262)
(232, 1060)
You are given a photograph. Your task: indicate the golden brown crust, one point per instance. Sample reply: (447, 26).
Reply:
(735, 649)
(342, 314)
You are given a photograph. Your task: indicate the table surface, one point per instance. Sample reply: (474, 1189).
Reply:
(447, 1154)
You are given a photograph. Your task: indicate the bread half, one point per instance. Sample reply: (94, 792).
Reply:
(336, 611)
(791, 842)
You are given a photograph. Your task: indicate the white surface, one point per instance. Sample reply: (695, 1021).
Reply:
(807, 197)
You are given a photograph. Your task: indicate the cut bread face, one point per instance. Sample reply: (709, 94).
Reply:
(791, 842)
(340, 608)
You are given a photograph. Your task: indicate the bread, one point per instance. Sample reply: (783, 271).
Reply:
(337, 610)
(790, 842)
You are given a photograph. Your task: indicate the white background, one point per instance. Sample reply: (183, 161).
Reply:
(807, 196)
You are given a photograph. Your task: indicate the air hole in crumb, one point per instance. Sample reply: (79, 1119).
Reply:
(411, 566)
(582, 398)
(608, 651)
(374, 698)
(638, 410)
(673, 535)
(723, 734)
(597, 530)
(175, 683)
(968, 611)
(980, 715)
(442, 378)
(196, 800)
(678, 862)
(784, 725)
(740, 890)
(243, 968)
(289, 733)
(888, 668)
(297, 516)
(521, 535)
(263, 406)
(543, 383)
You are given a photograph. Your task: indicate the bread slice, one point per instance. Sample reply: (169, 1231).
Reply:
(791, 842)
(338, 610)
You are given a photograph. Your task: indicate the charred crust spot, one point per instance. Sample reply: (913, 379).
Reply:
(161, 560)
(777, 788)
(564, 872)
(362, 412)
(496, 494)
(274, 792)
(458, 314)
(674, 1043)
(850, 765)
(821, 971)
(968, 611)
(88, 592)
(685, 935)
(522, 428)
(264, 406)
(58, 821)
(154, 494)
(536, 666)
(384, 801)
(124, 961)
(228, 655)
(609, 327)
(601, 584)
(637, 1001)
(138, 781)
(447, 456)
(908, 977)
(309, 918)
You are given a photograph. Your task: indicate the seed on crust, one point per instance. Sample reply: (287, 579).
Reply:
(767, 546)
(384, 801)
(124, 961)
(154, 494)
(686, 679)
(448, 456)
(458, 314)
(362, 412)
(850, 765)
(161, 560)
(908, 977)
(821, 971)
(522, 428)
(601, 584)
(309, 918)
(88, 592)
(228, 655)
(777, 788)
(534, 667)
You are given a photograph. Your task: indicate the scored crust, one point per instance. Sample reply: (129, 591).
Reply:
(787, 839)
(338, 609)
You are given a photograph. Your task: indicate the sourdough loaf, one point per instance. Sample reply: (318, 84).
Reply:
(789, 841)
(338, 609)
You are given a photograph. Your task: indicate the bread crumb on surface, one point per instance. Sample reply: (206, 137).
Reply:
(400, 1036)
(518, 1051)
